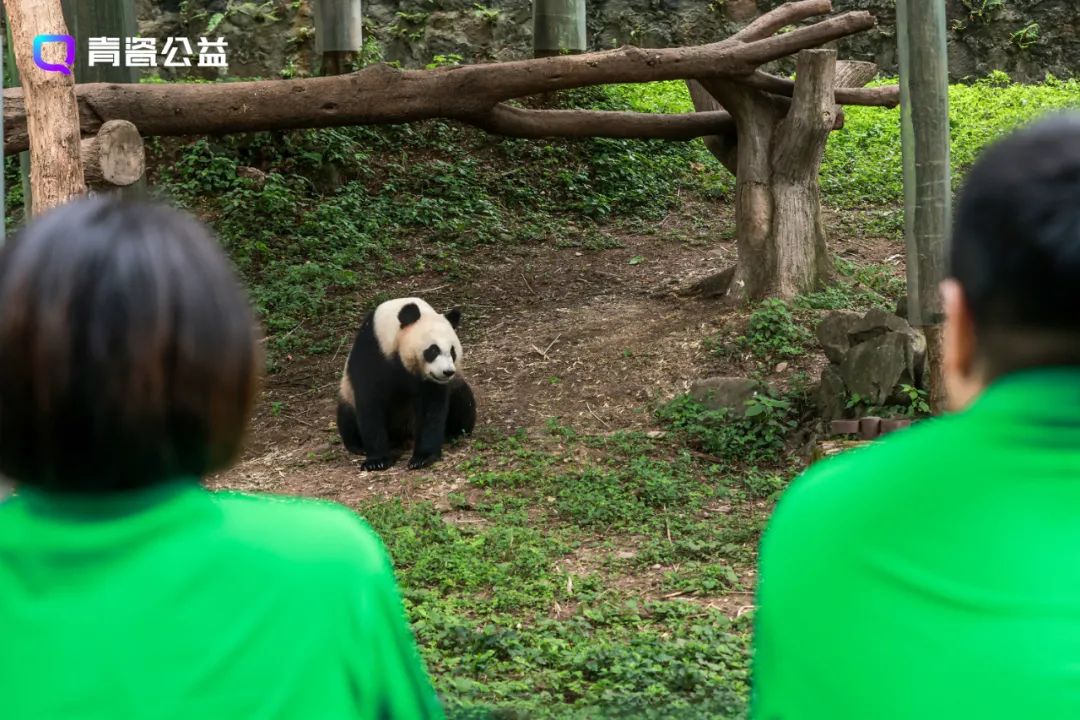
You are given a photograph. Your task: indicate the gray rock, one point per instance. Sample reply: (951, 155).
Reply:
(875, 368)
(725, 393)
(832, 394)
(874, 323)
(833, 332)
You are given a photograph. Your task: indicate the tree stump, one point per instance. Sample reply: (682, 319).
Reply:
(115, 157)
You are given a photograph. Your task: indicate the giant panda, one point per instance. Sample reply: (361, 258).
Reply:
(402, 382)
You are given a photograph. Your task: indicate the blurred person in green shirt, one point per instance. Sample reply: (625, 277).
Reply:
(936, 574)
(128, 368)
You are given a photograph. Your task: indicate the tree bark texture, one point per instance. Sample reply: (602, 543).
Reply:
(115, 157)
(51, 120)
(775, 152)
(779, 230)
(475, 94)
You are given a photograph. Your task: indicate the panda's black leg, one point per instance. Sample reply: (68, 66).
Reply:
(431, 411)
(372, 421)
(461, 418)
(349, 429)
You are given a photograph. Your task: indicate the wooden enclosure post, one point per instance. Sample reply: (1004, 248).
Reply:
(338, 34)
(114, 158)
(101, 18)
(558, 27)
(56, 173)
(924, 100)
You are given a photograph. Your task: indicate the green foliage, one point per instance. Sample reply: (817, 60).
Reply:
(488, 15)
(1027, 36)
(444, 61)
(918, 404)
(773, 333)
(862, 163)
(915, 403)
(981, 10)
(758, 437)
(518, 611)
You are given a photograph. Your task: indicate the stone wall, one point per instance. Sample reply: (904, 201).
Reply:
(1026, 38)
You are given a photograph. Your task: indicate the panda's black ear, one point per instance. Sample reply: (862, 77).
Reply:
(408, 314)
(454, 316)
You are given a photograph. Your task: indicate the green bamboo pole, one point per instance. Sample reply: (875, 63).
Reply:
(558, 27)
(338, 34)
(924, 99)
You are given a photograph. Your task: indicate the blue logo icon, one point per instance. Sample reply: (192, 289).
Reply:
(68, 41)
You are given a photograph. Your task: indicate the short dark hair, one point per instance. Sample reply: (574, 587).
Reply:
(128, 351)
(1016, 246)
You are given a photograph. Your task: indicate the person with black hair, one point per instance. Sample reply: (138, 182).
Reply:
(934, 574)
(129, 362)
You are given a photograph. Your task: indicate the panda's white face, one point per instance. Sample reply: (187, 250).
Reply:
(424, 339)
(440, 361)
(430, 349)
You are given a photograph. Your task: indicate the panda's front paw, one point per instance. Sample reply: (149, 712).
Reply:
(376, 463)
(419, 461)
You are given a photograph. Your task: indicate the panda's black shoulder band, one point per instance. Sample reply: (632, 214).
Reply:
(409, 314)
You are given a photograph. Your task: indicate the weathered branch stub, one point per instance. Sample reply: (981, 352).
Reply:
(115, 157)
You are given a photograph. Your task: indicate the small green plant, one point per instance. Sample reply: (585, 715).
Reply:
(1026, 36)
(980, 10)
(917, 400)
(439, 61)
(371, 53)
(759, 436)
(772, 332)
(488, 15)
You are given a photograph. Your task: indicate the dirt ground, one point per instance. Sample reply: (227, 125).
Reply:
(590, 337)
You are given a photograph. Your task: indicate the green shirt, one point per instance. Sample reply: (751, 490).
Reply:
(180, 603)
(935, 574)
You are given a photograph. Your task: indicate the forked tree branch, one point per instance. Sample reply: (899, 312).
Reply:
(779, 18)
(884, 96)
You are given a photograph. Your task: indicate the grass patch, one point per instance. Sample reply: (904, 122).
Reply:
(526, 613)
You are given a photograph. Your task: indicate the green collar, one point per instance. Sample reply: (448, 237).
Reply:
(107, 505)
(1039, 394)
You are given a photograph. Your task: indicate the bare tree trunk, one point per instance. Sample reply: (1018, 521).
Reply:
(52, 122)
(802, 262)
(775, 152)
(779, 230)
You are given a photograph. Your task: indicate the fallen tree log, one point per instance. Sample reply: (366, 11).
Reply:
(474, 94)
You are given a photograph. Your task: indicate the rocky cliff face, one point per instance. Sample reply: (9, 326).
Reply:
(1025, 38)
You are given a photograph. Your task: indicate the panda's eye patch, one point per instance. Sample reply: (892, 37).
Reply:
(453, 353)
(431, 353)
